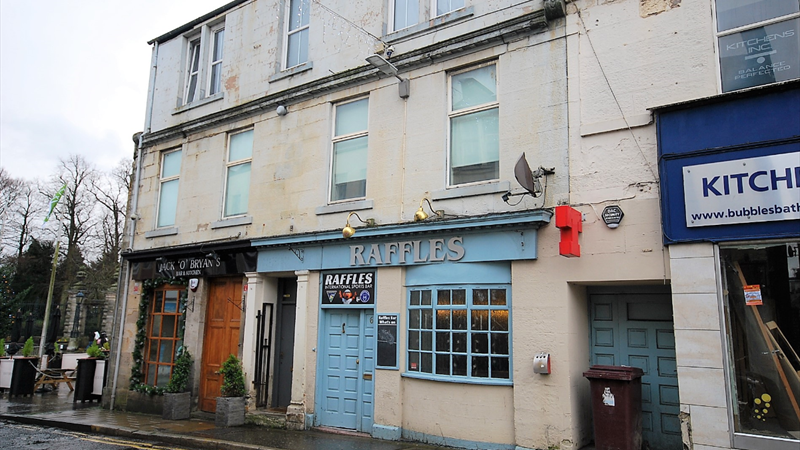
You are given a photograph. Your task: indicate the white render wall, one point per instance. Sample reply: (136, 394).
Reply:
(560, 94)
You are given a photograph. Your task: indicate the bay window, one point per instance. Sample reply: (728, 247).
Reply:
(460, 333)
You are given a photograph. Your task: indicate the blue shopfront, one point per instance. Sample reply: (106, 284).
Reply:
(730, 180)
(428, 301)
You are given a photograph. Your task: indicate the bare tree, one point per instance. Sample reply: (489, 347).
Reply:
(9, 193)
(74, 212)
(23, 217)
(111, 194)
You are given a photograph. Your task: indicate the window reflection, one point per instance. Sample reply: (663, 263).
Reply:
(763, 330)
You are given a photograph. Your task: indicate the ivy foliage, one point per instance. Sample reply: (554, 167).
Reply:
(137, 371)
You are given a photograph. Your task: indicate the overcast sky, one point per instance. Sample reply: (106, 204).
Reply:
(73, 77)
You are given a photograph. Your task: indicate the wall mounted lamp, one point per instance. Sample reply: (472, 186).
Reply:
(380, 63)
(281, 110)
(421, 215)
(349, 231)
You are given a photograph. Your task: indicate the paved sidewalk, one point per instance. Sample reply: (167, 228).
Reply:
(56, 409)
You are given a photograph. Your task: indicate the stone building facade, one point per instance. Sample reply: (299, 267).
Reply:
(528, 135)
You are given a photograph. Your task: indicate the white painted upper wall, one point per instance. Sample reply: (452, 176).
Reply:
(556, 105)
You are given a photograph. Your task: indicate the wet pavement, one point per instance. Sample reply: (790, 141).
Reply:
(56, 409)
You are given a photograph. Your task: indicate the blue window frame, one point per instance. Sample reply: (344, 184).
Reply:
(460, 333)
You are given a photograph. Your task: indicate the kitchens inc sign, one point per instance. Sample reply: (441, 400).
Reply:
(762, 189)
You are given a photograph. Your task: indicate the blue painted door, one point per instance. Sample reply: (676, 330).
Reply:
(637, 330)
(347, 370)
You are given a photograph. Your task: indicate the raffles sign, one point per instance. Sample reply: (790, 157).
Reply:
(762, 189)
(348, 288)
(408, 252)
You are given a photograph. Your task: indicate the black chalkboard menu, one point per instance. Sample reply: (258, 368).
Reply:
(387, 341)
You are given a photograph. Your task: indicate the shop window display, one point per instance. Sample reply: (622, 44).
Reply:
(762, 294)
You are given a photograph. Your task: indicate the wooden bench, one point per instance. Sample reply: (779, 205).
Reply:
(53, 377)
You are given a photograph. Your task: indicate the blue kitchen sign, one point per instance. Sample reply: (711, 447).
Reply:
(760, 189)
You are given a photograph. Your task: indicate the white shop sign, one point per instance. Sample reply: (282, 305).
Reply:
(762, 189)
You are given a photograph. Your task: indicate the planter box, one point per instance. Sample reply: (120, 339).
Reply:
(99, 377)
(230, 412)
(84, 381)
(144, 403)
(177, 406)
(6, 369)
(23, 377)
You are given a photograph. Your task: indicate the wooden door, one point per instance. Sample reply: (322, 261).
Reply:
(221, 337)
(348, 370)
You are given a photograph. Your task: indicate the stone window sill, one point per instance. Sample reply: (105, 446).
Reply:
(232, 222)
(161, 232)
(357, 205)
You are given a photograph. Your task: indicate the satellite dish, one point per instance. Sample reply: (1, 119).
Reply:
(524, 176)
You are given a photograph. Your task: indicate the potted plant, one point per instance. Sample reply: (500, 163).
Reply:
(230, 406)
(23, 378)
(177, 400)
(91, 375)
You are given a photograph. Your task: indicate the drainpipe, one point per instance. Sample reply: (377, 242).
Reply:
(134, 215)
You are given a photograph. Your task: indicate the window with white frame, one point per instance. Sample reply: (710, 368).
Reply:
(349, 156)
(215, 69)
(192, 70)
(168, 191)
(297, 32)
(446, 6)
(474, 126)
(460, 333)
(204, 63)
(237, 180)
(405, 13)
(759, 42)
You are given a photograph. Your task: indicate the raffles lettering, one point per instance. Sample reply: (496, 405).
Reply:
(407, 252)
(349, 280)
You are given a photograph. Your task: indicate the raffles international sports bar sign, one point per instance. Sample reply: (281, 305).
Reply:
(349, 288)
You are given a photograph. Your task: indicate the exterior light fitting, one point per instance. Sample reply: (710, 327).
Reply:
(382, 64)
(421, 215)
(349, 231)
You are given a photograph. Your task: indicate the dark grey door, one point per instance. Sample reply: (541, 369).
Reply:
(634, 328)
(287, 306)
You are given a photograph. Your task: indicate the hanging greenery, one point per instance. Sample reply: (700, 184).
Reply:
(137, 372)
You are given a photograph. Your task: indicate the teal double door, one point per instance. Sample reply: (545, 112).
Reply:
(346, 373)
(634, 327)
